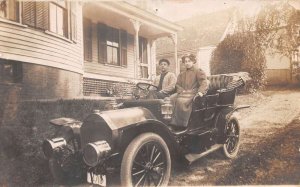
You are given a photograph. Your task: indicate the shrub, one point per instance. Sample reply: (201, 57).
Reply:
(240, 52)
(22, 162)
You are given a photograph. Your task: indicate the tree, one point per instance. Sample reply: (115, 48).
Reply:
(274, 30)
(240, 52)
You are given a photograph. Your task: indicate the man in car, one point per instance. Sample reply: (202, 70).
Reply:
(165, 82)
(191, 83)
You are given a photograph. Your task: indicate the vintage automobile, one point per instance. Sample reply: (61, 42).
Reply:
(135, 140)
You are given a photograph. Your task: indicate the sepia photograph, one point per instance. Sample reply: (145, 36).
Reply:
(149, 93)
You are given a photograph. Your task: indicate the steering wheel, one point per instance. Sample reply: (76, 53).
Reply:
(146, 86)
(143, 90)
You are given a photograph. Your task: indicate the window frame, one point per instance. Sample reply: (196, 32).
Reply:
(65, 18)
(16, 7)
(73, 7)
(113, 43)
(143, 44)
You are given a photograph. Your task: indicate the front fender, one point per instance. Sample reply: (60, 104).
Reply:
(69, 127)
(109, 125)
(149, 125)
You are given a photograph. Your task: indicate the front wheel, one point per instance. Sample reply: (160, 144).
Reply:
(146, 162)
(232, 143)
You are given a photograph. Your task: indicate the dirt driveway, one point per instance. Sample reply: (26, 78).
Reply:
(270, 146)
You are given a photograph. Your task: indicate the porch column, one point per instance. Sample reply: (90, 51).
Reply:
(177, 65)
(136, 25)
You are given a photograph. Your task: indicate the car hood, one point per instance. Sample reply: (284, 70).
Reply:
(107, 125)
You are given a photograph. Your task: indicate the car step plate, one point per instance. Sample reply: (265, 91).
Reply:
(96, 179)
(192, 157)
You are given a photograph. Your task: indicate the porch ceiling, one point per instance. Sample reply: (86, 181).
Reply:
(118, 15)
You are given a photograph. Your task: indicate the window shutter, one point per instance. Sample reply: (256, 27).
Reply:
(29, 10)
(87, 34)
(123, 48)
(102, 43)
(42, 15)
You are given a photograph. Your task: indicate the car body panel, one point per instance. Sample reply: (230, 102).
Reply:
(108, 125)
(118, 119)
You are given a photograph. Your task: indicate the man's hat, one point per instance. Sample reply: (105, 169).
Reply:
(164, 60)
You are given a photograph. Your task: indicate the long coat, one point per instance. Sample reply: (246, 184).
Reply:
(189, 83)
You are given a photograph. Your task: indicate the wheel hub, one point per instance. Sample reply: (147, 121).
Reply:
(149, 166)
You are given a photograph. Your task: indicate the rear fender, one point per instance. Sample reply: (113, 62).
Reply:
(223, 117)
(227, 114)
(234, 112)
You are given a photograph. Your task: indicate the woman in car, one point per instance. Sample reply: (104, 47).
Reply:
(191, 83)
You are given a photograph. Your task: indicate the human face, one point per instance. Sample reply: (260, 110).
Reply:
(188, 63)
(164, 66)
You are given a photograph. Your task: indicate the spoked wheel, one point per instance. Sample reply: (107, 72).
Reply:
(232, 143)
(146, 162)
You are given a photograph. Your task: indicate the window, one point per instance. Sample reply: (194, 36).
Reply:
(143, 58)
(73, 21)
(9, 9)
(58, 17)
(112, 48)
(35, 14)
(10, 71)
(52, 16)
(87, 39)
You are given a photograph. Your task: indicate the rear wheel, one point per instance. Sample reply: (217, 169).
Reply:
(232, 143)
(146, 162)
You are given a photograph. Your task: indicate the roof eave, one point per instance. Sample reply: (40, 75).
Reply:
(143, 16)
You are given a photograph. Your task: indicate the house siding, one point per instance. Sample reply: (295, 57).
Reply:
(278, 76)
(35, 46)
(52, 65)
(41, 82)
(95, 67)
(277, 61)
(277, 69)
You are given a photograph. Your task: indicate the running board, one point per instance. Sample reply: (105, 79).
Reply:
(192, 157)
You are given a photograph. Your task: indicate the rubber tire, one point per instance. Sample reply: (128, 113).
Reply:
(224, 149)
(132, 150)
(56, 171)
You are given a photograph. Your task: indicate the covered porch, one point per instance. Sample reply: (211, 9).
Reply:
(138, 24)
(119, 43)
